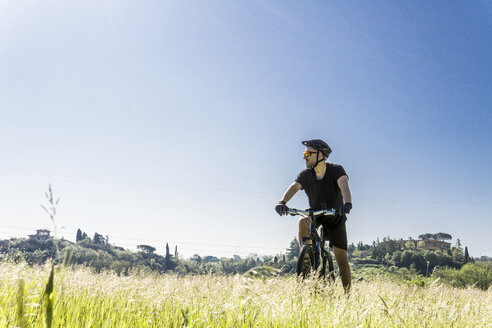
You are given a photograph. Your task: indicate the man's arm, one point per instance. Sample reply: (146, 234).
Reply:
(344, 188)
(291, 191)
(281, 208)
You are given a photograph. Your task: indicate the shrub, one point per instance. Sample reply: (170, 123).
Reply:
(472, 274)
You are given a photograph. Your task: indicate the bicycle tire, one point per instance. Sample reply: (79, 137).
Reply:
(317, 256)
(304, 268)
(322, 271)
(324, 254)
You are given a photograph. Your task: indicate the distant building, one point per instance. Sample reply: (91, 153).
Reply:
(41, 235)
(433, 244)
(430, 244)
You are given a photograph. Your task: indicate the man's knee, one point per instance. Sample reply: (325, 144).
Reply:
(303, 224)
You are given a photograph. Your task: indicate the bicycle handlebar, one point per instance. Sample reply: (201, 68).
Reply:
(294, 211)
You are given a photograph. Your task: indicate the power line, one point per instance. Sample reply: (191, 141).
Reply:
(426, 201)
(230, 189)
(14, 227)
(138, 182)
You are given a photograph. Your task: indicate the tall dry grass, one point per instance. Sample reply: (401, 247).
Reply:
(84, 299)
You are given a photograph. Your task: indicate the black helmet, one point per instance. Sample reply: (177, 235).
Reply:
(318, 144)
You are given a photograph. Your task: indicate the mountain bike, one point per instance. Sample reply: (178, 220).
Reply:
(311, 253)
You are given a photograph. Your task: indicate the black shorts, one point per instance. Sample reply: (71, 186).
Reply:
(334, 230)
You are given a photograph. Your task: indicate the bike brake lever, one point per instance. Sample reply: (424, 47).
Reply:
(292, 212)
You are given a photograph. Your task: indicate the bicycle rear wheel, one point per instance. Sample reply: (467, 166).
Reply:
(322, 271)
(331, 269)
(327, 259)
(306, 261)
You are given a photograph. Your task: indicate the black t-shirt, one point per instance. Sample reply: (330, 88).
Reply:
(325, 193)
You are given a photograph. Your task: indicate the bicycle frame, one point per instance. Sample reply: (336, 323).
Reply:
(317, 242)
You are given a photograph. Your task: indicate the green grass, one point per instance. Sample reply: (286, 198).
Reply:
(85, 299)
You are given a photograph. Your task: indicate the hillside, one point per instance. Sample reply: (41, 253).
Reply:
(401, 261)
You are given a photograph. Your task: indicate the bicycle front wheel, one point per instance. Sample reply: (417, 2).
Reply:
(306, 261)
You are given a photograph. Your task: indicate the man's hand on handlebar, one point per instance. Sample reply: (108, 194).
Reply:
(281, 208)
(345, 209)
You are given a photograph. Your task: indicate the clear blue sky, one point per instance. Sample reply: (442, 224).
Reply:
(181, 121)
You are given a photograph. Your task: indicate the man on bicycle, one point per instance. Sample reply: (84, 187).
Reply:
(326, 185)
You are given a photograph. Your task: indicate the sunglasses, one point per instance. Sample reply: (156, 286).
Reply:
(309, 153)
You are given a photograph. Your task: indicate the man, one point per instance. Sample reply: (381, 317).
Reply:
(326, 185)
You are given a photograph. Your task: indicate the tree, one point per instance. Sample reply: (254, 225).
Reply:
(197, 258)
(210, 258)
(168, 257)
(467, 256)
(410, 244)
(443, 236)
(457, 254)
(351, 248)
(98, 239)
(381, 249)
(79, 235)
(406, 258)
(428, 236)
(146, 249)
(176, 252)
(458, 243)
(361, 246)
(293, 250)
(425, 236)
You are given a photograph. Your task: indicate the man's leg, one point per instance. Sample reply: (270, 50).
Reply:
(343, 267)
(303, 230)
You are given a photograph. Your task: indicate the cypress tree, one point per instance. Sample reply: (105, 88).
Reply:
(168, 257)
(79, 235)
(467, 256)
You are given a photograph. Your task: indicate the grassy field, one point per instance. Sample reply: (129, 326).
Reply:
(84, 299)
